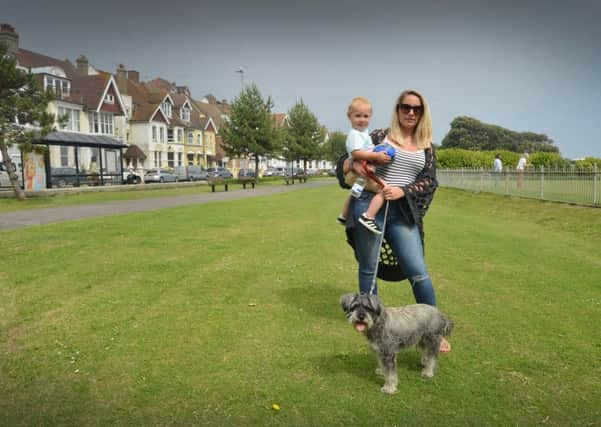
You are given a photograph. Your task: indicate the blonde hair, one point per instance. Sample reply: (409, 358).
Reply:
(359, 100)
(423, 130)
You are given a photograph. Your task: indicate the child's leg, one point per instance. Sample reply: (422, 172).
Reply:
(375, 205)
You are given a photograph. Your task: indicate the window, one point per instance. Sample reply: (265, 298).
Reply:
(101, 123)
(154, 134)
(64, 156)
(72, 122)
(169, 134)
(170, 159)
(58, 86)
(180, 135)
(109, 99)
(162, 134)
(190, 138)
(179, 159)
(185, 114)
(166, 107)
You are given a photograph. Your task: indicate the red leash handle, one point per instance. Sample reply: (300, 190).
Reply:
(371, 175)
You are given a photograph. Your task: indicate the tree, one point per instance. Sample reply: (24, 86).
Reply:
(23, 115)
(334, 147)
(250, 130)
(471, 134)
(304, 135)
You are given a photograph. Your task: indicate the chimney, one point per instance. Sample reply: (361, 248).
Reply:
(82, 65)
(10, 38)
(121, 77)
(134, 76)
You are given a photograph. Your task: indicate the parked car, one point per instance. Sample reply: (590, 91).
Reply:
(197, 173)
(65, 177)
(331, 172)
(219, 173)
(299, 173)
(159, 175)
(280, 172)
(246, 173)
(269, 172)
(4, 179)
(131, 177)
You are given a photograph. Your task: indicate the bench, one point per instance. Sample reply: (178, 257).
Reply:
(247, 180)
(299, 178)
(213, 182)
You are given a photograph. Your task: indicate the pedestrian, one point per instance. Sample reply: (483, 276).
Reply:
(410, 184)
(498, 168)
(522, 163)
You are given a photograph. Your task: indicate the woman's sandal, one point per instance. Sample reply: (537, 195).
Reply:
(445, 346)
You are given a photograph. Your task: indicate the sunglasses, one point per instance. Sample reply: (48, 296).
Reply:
(406, 108)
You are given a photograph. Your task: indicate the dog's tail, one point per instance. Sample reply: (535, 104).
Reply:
(447, 325)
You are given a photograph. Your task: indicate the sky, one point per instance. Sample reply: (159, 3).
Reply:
(524, 65)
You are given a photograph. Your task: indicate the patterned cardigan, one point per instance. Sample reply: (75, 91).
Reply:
(418, 194)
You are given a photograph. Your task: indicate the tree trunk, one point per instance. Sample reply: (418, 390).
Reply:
(256, 168)
(12, 174)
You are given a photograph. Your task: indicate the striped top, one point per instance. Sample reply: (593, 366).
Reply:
(403, 169)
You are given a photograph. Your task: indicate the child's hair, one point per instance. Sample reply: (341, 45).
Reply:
(359, 100)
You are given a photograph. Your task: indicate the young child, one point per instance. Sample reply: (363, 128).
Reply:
(359, 147)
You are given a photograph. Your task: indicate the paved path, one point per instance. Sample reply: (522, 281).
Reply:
(12, 220)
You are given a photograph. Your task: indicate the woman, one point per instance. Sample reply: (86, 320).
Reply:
(410, 184)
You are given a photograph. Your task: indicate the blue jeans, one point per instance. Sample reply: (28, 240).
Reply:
(406, 244)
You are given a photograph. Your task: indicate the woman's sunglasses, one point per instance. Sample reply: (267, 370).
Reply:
(406, 108)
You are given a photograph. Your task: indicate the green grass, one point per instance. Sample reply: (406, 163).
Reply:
(209, 314)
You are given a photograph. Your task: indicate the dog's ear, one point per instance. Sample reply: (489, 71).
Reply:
(376, 304)
(345, 302)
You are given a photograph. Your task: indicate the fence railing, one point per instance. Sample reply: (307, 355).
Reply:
(576, 186)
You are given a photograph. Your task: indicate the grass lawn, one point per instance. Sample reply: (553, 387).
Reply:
(209, 314)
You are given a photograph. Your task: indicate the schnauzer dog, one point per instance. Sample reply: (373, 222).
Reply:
(390, 330)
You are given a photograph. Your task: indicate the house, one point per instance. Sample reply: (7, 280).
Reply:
(87, 145)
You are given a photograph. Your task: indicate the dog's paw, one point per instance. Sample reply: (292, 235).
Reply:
(388, 389)
(427, 373)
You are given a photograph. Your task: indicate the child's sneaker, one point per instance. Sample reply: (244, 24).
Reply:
(370, 224)
(341, 220)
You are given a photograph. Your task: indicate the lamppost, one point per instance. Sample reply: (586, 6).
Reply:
(241, 71)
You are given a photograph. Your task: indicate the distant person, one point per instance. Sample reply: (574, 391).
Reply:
(498, 168)
(522, 163)
(359, 147)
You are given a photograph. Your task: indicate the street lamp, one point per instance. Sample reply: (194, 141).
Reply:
(241, 71)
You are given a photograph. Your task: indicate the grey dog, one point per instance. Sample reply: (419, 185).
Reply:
(390, 330)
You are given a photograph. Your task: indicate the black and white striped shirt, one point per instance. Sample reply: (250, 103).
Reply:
(404, 168)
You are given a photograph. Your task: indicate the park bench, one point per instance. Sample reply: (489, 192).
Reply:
(299, 178)
(215, 181)
(247, 180)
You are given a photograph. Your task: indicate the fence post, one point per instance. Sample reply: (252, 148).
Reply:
(595, 201)
(542, 182)
(506, 182)
(481, 178)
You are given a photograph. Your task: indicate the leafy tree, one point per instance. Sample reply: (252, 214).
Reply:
(334, 147)
(250, 130)
(471, 134)
(304, 136)
(23, 115)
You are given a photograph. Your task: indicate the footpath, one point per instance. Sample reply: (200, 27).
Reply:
(26, 218)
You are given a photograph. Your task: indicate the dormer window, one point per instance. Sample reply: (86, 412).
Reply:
(185, 114)
(166, 107)
(57, 85)
(109, 99)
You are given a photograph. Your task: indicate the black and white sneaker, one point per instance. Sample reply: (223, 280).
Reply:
(341, 220)
(370, 224)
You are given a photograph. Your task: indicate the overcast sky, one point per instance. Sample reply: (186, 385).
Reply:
(524, 65)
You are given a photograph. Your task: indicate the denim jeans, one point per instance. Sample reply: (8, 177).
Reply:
(404, 239)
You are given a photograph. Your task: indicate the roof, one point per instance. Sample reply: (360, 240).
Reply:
(81, 140)
(134, 152)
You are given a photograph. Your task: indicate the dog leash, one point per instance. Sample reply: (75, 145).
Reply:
(373, 176)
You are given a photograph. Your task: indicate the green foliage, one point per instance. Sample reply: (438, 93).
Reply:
(20, 99)
(335, 146)
(471, 134)
(304, 136)
(250, 130)
(589, 163)
(459, 158)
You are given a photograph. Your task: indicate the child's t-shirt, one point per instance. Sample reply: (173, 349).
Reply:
(358, 140)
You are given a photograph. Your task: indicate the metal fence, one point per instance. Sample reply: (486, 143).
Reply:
(582, 187)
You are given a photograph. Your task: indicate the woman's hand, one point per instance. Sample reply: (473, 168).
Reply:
(392, 193)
